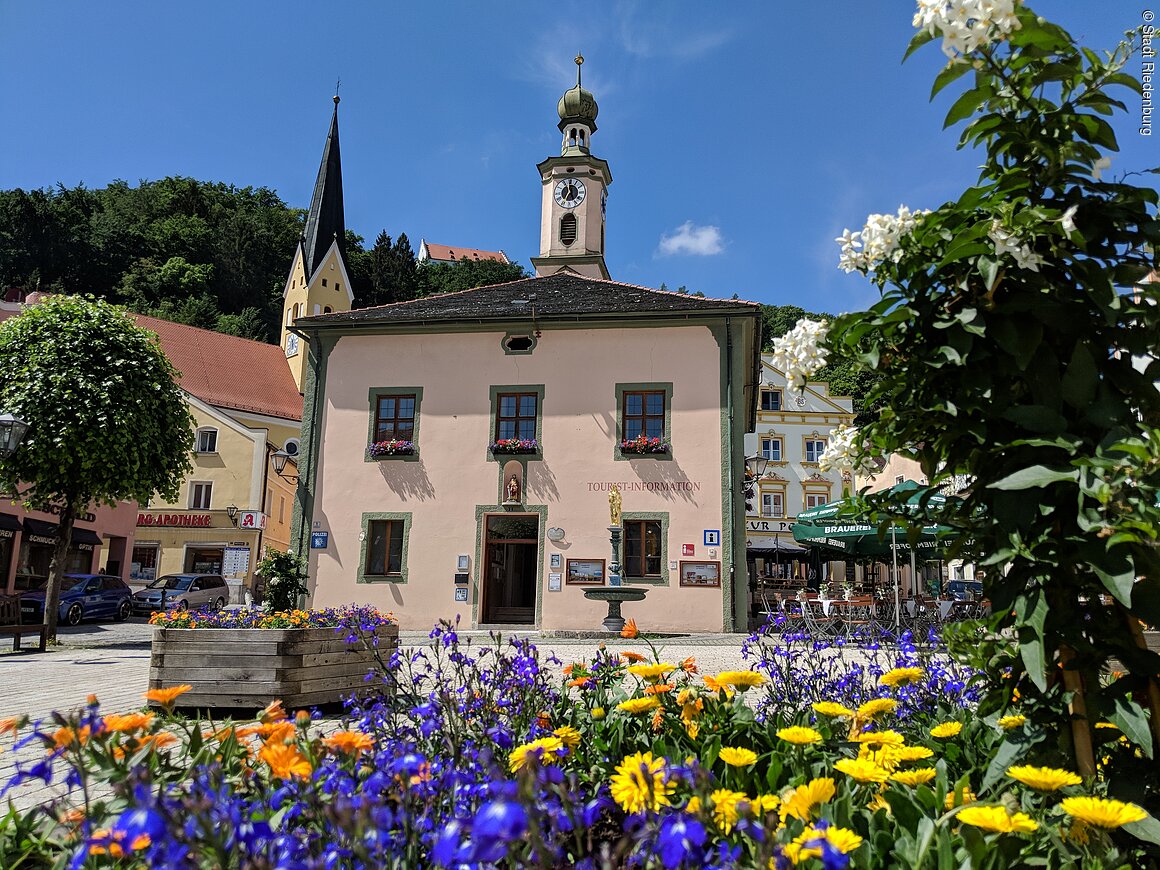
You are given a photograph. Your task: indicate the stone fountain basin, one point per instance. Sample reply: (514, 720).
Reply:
(615, 596)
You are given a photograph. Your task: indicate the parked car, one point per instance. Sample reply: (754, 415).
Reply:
(82, 596)
(965, 590)
(182, 591)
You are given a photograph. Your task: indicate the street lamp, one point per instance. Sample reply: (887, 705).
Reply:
(756, 465)
(232, 513)
(280, 458)
(12, 432)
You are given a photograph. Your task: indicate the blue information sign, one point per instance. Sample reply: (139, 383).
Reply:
(712, 537)
(319, 540)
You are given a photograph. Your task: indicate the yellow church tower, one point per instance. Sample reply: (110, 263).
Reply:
(318, 282)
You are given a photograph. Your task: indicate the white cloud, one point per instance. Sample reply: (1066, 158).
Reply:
(646, 31)
(693, 240)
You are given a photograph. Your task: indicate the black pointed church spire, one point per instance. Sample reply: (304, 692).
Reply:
(326, 222)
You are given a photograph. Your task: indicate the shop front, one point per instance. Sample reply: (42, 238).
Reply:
(197, 542)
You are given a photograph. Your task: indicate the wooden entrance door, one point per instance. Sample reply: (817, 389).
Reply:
(511, 547)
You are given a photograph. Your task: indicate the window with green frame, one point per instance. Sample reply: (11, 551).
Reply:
(642, 549)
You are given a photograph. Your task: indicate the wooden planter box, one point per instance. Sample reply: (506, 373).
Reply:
(250, 667)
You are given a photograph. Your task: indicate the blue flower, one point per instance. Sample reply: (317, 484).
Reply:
(678, 835)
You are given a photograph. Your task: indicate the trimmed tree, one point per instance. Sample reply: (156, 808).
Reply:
(108, 422)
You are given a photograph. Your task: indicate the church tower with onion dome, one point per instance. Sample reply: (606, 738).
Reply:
(575, 192)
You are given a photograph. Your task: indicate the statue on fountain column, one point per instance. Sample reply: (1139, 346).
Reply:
(614, 504)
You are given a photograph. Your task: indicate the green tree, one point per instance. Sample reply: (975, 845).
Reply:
(390, 272)
(107, 420)
(1017, 346)
(465, 274)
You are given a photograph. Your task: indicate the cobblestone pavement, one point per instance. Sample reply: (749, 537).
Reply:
(111, 660)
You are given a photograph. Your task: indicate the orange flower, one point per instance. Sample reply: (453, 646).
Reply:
(659, 688)
(285, 761)
(568, 670)
(543, 719)
(275, 732)
(349, 742)
(658, 719)
(579, 681)
(128, 722)
(273, 712)
(9, 725)
(72, 817)
(66, 737)
(166, 697)
(630, 630)
(160, 740)
(689, 665)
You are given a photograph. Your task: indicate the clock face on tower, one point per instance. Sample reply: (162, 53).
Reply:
(570, 192)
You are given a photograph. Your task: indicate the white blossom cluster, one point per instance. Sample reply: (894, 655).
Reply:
(799, 353)
(966, 25)
(1006, 242)
(879, 240)
(846, 451)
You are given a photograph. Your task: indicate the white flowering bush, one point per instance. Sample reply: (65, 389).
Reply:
(801, 352)
(848, 450)
(1016, 345)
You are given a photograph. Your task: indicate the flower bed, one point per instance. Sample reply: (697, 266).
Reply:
(495, 756)
(246, 658)
(643, 445)
(514, 446)
(380, 449)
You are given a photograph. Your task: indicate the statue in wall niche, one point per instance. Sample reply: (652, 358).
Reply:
(614, 504)
(512, 493)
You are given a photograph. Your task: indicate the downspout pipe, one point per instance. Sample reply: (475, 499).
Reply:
(732, 626)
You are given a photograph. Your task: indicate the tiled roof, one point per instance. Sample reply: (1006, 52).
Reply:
(564, 295)
(227, 371)
(446, 252)
(224, 370)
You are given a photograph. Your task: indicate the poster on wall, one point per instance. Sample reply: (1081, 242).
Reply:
(585, 572)
(701, 574)
(236, 562)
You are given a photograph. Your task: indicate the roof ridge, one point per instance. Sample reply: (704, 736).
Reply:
(226, 335)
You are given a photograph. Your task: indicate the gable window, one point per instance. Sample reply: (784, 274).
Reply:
(771, 449)
(515, 416)
(395, 418)
(643, 413)
(200, 495)
(814, 449)
(384, 548)
(771, 400)
(207, 440)
(642, 549)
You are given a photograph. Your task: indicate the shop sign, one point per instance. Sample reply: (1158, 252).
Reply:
(768, 526)
(251, 520)
(85, 517)
(686, 549)
(182, 520)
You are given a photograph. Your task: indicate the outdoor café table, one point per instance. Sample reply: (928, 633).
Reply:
(945, 605)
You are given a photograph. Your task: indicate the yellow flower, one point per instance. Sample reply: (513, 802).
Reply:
(914, 777)
(1009, 722)
(1043, 778)
(725, 807)
(862, 769)
(693, 806)
(742, 680)
(958, 797)
(547, 749)
(285, 761)
(638, 705)
(765, 803)
(946, 730)
(349, 742)
(808, 844)
(832, 709)
(651, 672)
(569, 735)
(1102, 812)
(898, 754)
(641, 783)
(901, 676)
(799, 735)
(880, 738)
(995, 818)
(801, 802)
(736, 756)
(166, 697)
(876, 707)
(597, 713)
(692, 728)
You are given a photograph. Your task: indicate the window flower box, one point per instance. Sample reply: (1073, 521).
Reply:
(379, 449)
(512, 446)
(642, 446)
(246, 658)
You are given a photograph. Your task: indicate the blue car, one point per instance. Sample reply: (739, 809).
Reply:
(82, 596)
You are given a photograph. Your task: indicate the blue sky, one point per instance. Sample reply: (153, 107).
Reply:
(742, 137)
